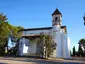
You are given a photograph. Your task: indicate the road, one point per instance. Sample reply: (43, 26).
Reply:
(23, 60)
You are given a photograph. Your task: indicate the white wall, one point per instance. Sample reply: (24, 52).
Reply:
(61, 39)
(21, 47)
(66, 47)
(57, 40)
(33, 48)
(62, 42)
(26, 48)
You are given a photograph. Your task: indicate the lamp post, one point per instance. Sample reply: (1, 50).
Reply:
(84, 19)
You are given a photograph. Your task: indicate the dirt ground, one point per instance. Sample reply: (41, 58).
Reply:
(23, 60)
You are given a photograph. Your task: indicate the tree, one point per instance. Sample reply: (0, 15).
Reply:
(46, 45)
(7, 30)
(81, 48)
(50, 45)
(74, 51)
(80, 51)
(2, 17)
(40, 45)
(82, 43)
(4, 31)
(70, 53)
(15, 35)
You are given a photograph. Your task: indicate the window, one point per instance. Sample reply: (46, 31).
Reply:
(56, 18)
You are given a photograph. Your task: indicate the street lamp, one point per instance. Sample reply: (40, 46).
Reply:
(84, 19)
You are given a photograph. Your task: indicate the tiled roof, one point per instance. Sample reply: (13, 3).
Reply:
(56, 12)
(63, 26)
(43, 28)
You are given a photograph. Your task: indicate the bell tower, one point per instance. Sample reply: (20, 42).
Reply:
(56, 17)
(56, 25)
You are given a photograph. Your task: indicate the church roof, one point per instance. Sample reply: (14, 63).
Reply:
(56, 12)
(64, 27)
(43, 28)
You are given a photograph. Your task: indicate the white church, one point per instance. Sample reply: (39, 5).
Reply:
(57, 31)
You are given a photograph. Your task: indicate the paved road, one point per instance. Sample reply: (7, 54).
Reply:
(21, 60)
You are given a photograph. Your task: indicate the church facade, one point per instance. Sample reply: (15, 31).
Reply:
(57, 31)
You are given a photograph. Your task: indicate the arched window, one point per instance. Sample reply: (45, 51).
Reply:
(56, 18)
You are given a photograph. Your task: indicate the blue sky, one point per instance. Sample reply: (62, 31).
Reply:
(37, 13)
